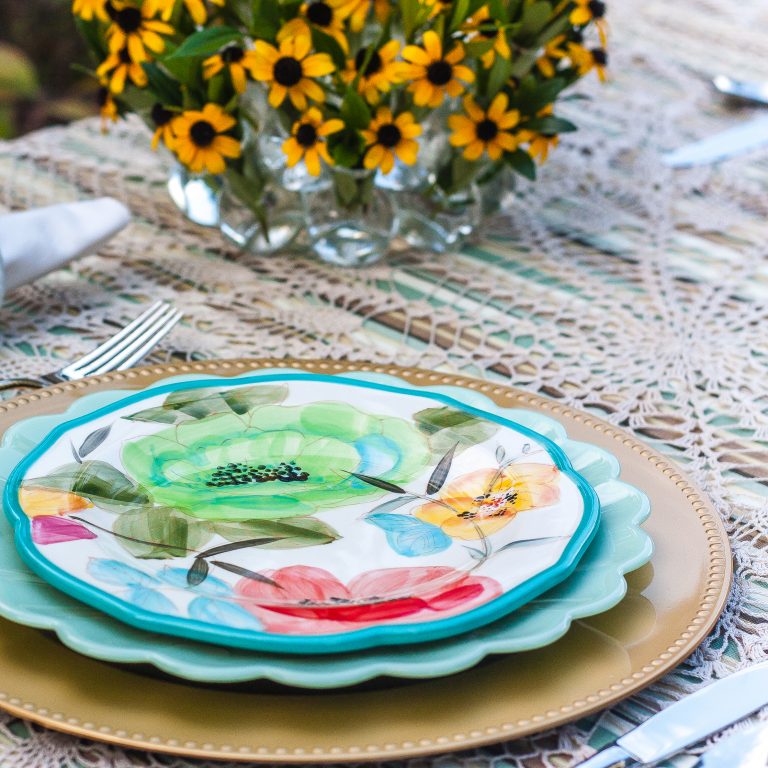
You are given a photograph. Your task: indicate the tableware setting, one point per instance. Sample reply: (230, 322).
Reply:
(60, 504)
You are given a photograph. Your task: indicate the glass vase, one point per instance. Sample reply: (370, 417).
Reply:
(349, 219)
(195, 195)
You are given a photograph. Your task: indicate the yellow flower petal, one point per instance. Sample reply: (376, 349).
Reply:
(473, 110)
(373, 156)
(317, 65)
(408, 151)
(416, 55)
(312, 161)
(41, 501)
(474, 150)
(432, 45)
(330, 126)
(498, 107)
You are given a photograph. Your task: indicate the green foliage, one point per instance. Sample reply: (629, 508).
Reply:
(158, 533)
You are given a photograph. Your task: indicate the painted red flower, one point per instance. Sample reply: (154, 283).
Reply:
(311, 600)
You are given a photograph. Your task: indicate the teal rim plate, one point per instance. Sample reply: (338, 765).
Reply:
(300, 513)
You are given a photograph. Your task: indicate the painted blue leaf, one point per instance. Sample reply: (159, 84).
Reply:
(221, 612)
(115, 572)
(177, 577)
(151, 600)
(410, 536)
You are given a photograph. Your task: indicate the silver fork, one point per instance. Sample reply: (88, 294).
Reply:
(123, 350)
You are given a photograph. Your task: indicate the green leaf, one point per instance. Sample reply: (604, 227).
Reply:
(159, 415)
(550, 126)
(346, 148)
(536, 16)
(94, 440)
(164, 87)
(385, 485)
(447, 427)
(460, 12)
(266, 19)
(522, 163)
(440, 473)
(293, 534)
(222, 549)
(198, 573)
(499, 75)
(160, 533)
(245, 399)
(205, 43)
(18, 79)
(323, 43)
(98, 481)
(354, 111)
(246, 573)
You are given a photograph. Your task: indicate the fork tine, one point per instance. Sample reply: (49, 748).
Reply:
(83, 365)
(139, 348)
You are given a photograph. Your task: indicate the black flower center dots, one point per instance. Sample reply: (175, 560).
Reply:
(439, 72)
(226, 475)
(160, 115)
(388, 135)
(232, 54)
(306, 135)
(487, 130)
(288, 71)
(128, 19)
(320, 13)
(374, 64)
(597, 9)
(202, 133)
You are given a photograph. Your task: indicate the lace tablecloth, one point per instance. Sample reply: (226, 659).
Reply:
(614, 284)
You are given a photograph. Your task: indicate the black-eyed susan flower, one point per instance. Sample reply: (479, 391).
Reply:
(433, 74)
(196, 9)
(485, 130)
(88, 10)
(387, 137)
(117, 68)
(585, 60)
(162, 119)
(538, 144)
(552, 53)
(323, 15)
(289, 70)
(591, 10)
(134, 29)
(235, 60)
(356, 11)
(200, 139)
(307, 140)
(378, 75)
(107, 107)
(481, 27)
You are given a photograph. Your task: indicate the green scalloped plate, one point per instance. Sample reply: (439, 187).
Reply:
(596, 585)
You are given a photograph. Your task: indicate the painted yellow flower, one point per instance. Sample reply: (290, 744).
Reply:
(484, 131)
(200, 141)
(107, 107)
(307, 140)
(433, 74)
(482, 502)
(289, 70)
(323, 15)
(585, 60)
(482, 27)
(88, 10)
(591, 10)
(196, 8)
(235, 60)
(134, 29)
(378, 75)
(387, 137)
(552, 53)
(117, 68)
(163, 121)
(41, 501)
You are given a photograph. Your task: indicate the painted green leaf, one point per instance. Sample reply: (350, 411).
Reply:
(447, 426)
(158, 533)
(245, 399)
(198, 573)
(246, 573)
(440, 473)
(160, 415)
(299, 532)
(98, 481)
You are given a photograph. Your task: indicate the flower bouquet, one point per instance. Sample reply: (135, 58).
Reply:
(352, 121)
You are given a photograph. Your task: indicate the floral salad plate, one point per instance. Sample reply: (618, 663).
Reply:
(300, 513)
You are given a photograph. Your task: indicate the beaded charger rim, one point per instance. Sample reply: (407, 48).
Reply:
(378, 738)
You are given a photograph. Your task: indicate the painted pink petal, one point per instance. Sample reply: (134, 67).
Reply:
(296, 583)
(403, 582)
(52, 529)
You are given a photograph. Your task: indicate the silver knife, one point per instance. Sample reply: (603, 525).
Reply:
(689, 720)
(745, 90)
(745, 748)
(740, 138)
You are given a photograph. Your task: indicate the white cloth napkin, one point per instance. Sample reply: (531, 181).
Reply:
(37, 241)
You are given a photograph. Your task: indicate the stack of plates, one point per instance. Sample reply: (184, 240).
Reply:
(319, 526)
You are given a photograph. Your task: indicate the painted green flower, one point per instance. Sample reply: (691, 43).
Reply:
(275, 461)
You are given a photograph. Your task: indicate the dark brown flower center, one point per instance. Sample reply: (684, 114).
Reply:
(374, 64)
(202, 133)
(160, 115)
(124, 56)
(388, 135)
(287, 71)
(320, 13)
(488, 30)
(232, 54)
(487, 130)
(597, 9)
(306, 135)
(128, 19)
(439, 72)
(600, 56)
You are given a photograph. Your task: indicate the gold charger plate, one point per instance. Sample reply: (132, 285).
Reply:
(668, 611)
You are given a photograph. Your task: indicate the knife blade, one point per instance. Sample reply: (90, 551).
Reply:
(689, 720)
(745, 90)
(720, 146)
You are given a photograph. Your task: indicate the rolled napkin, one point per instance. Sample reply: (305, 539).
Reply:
(40, 240)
